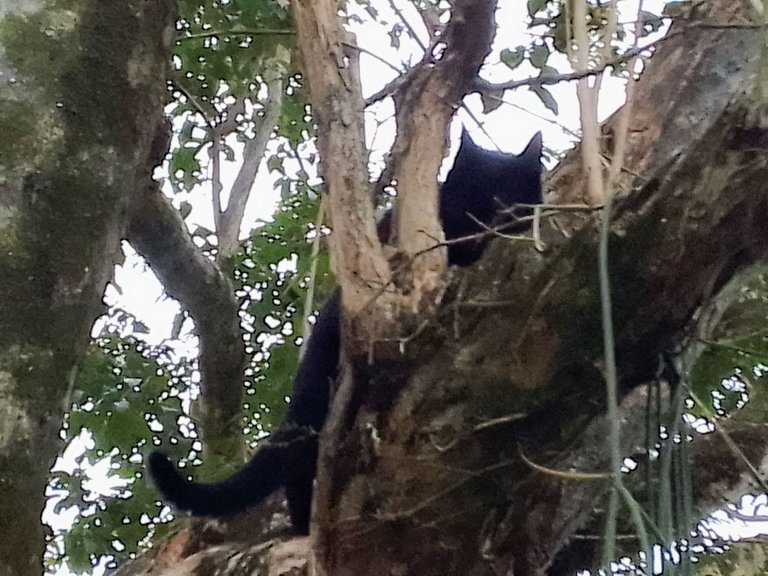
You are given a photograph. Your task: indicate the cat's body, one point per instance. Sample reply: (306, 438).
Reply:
(481, 183)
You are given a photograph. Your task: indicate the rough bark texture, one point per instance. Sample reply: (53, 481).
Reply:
(694, 73)
(526, 336)
(380, 298)
(334, 83)
(428, 471)
(425, 104)
(422, 476)
(77, 123)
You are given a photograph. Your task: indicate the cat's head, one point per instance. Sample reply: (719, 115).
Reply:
(510, 178)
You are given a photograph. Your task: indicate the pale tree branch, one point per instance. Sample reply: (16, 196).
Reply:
(253, 154)
(425, 104)
(622, 128)
(587, 95)
(310, 299)
(216, 186)
(333, 77)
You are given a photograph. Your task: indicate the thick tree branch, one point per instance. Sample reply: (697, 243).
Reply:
(674, 242)
(425, 106)
(159, 234)
(334, 82)
(431, 469)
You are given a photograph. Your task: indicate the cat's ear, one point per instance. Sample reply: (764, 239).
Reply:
(532, 153)
(469, 153)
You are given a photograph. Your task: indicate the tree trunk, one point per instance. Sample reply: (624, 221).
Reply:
(78, 123)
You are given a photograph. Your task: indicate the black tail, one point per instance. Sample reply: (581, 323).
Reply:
(245, 488)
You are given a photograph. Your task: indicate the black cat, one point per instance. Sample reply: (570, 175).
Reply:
(481, 183)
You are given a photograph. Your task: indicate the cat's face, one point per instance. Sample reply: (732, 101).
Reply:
(489, 174)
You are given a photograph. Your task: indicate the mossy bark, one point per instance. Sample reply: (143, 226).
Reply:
(80, 106)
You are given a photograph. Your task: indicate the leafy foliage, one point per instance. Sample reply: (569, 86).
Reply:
(124, 396)
(233, 41)
(552, 21)
(224, 54)
(274, 274)
(128, 396)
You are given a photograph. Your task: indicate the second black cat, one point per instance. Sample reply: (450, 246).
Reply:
(480, 185)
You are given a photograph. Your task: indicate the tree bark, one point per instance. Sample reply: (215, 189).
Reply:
(78, 123)
(159, 234)
(522, 344)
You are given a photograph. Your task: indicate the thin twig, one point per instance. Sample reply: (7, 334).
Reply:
(195, 104)
(217, 33)
(611, 385)
(566, 475)
(375, 56)
(306, 331)
(216, 185)
(486, 86)
(407, 25)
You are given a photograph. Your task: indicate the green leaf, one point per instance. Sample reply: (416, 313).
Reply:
(548, 72)
(184, 167)
(276, 164)
(394, 36)
(539, 55)
(512, 58)
(677, 9)
(535, 6)
(650, 22)
(546, 98)
(491, 100)
(725, 373)
(125, 386)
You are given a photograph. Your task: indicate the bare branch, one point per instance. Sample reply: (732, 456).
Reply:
(425, 105)
(588, 98)
(333, 74)
(253, 154)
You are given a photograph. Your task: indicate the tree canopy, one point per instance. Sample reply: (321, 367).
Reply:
(538, 413)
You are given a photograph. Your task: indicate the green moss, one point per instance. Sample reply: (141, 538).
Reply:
(37, 46)
(578, 299)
